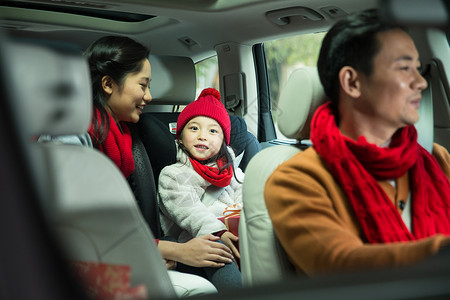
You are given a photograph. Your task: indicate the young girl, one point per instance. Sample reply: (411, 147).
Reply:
(204, 169)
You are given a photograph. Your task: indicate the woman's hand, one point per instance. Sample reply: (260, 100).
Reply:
(170, 264)
(202, 251)
(230, 239)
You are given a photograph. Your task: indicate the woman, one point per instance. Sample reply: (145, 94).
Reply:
(120, 74)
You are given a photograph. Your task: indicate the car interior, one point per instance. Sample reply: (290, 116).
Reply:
(52, 209)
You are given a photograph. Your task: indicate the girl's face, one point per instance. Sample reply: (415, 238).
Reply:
(126, 102)
(202, 137)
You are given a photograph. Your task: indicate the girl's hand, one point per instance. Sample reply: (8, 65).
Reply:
(230, 239)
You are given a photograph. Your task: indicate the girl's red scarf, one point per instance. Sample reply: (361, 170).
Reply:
(117, 145)
(211, 174)
(357, 165)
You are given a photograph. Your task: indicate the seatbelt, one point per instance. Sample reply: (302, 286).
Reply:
(211, 194)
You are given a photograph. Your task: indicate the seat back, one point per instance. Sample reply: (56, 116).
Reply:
(143, 183)
(86, 199)
(158, 142)
(424, 126)
(262, 258)
(173, 80)
(244, 144)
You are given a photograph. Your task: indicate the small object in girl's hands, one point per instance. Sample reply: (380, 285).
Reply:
(231, 218)
(233, 210)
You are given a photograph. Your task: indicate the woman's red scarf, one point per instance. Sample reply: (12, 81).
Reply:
(357, 165)
(117, 145)
(211, 174)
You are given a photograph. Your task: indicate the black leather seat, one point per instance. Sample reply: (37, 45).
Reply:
(143, 184)
(242, 141)
(158, 142)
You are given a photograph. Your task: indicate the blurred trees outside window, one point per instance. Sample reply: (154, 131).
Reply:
(285, 55)
(207, 73)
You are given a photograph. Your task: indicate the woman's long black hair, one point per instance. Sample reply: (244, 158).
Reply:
(116, 57)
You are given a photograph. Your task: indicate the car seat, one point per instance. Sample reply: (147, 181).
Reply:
(143, 183)
(262, 258)
(86, 200)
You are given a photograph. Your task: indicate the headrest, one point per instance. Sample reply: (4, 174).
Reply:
(173, 80)
(51, 86)
(299, 99)
(425, 125)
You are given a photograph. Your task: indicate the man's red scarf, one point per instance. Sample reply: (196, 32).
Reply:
(357, 165)
(211, 174)
(117, 145)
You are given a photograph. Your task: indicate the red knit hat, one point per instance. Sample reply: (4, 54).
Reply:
(208, 105)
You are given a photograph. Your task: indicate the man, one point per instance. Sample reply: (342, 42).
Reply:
(366, 195)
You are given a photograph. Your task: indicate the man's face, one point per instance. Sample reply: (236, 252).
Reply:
(391, 95)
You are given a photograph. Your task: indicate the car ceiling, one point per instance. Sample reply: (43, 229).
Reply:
(179, 27)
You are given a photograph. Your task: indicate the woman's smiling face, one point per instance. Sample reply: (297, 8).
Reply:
(127, 101)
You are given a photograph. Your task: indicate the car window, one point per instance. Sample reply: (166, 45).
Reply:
(207, 73)
(285, 55)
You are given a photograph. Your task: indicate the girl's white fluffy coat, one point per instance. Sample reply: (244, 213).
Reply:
(180, 191)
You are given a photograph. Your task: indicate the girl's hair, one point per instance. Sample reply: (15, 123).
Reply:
(116, 57)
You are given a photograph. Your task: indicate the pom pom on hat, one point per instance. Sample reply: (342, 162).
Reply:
(208, 105)
(210, 91)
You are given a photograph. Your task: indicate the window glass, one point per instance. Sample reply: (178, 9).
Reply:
(285, 55)
(207, 72)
